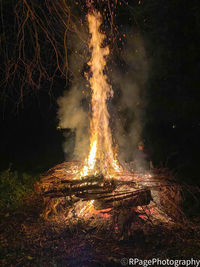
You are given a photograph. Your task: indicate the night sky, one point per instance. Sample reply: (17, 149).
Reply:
(30, 140)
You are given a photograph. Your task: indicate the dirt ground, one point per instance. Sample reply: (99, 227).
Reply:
(29, 240)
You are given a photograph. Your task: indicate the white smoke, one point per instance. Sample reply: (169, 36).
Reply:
(72, 113)
(129, 106)
(131, 103)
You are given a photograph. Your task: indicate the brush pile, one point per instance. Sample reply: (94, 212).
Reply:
(61, 191)
(117, 205)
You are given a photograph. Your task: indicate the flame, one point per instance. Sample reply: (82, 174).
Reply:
(91, 160)
(86, 208)
(101, 156)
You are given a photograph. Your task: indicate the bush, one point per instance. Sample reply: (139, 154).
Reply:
(14, 187)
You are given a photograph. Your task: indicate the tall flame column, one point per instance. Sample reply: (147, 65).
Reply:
(101, 156)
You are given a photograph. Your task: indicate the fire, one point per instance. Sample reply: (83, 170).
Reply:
(91, 160)
(95, 195)
(86, 208)
(102, 158)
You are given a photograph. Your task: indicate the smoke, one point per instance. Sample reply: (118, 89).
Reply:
(73, 108)
(129, 80)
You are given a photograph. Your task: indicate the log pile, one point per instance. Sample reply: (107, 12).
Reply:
(59, 183)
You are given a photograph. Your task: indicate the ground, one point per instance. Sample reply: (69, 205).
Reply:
(29, 240)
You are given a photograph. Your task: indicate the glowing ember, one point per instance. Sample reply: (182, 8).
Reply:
(102, 158)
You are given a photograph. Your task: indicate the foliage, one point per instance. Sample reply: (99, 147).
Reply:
(14, 186)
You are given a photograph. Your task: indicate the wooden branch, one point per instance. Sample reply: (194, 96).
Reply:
(59, 182)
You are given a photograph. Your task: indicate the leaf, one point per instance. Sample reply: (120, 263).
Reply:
(30, 258)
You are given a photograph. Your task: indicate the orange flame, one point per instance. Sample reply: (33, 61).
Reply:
(101, 156)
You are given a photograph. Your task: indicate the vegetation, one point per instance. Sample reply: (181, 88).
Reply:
(14, 187)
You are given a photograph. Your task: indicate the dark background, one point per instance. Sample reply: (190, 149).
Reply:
(171, 30)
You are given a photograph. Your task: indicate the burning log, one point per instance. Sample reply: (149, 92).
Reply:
(132, 199)
(59, 183)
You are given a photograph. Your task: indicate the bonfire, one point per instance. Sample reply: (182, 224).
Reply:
(99, 189)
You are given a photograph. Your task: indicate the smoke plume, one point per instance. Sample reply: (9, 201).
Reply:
(73, 108)
(126, 111)
(129, 80)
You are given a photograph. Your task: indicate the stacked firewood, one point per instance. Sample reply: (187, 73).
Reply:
(59, 183)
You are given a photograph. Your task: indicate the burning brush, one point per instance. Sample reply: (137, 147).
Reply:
(100, 183)
(89, 197)
(99, 187)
